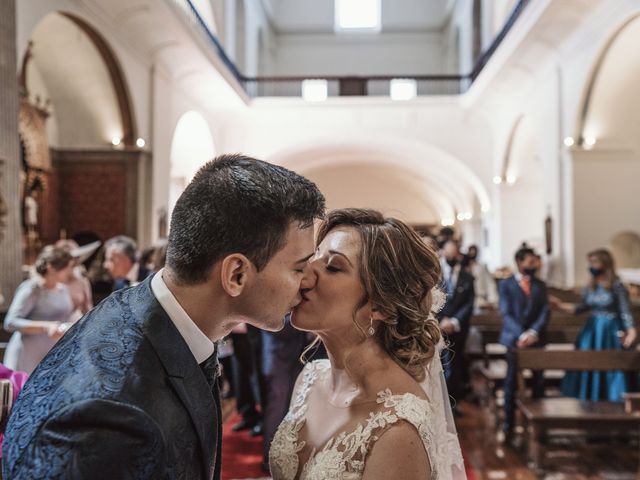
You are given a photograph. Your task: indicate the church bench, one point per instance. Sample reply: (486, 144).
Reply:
(541, 416)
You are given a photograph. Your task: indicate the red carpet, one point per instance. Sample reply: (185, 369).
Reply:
(242, 454)
(467, 467)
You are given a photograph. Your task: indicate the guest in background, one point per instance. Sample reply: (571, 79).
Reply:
(159, 256)
(78, 282)
(40, 311)
(248, 382)
(484, 284)
(120, 261)
(455, 318)
(610, 327)
(281, 365)
(525, 313)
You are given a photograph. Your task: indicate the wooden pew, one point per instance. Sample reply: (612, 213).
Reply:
(543, 415)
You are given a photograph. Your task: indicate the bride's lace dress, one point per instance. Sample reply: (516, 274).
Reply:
(345, 454)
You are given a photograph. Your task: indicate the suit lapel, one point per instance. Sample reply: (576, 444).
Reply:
(520, 296)
(198, 400)
(187, 379)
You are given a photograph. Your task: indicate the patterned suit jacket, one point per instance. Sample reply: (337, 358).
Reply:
(119, 397)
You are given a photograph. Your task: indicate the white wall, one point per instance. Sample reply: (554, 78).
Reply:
(359, 54)
(606, 193)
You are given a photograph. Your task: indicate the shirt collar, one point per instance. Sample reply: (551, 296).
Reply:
(199, 344)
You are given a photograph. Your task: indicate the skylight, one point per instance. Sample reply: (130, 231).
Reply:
(357, 15)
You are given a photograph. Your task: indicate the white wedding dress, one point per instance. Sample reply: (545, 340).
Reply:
(343, 457)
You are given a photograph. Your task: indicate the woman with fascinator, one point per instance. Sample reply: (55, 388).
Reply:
(378, 407)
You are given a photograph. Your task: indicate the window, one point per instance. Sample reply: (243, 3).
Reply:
(314, 90)
(402, 89)
(357, 15)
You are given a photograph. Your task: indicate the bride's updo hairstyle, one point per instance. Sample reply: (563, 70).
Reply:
(400, 275)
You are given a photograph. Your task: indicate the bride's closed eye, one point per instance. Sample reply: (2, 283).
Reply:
(332, 268)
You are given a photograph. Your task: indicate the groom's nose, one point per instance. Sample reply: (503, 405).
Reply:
(308, 277)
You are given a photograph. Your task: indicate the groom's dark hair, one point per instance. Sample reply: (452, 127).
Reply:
(237, 204)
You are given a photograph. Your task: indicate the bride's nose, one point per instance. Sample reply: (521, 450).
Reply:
(309, 276)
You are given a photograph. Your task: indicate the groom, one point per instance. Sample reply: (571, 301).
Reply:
(130, 392)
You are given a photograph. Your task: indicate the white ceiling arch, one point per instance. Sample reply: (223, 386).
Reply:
(609, 110)
(454, 184)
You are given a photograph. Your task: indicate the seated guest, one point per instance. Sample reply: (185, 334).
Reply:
(609, 327)
(40, 311)
(455, 318)
(120, 261)
(525, 313)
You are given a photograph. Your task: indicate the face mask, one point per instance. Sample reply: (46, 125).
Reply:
(530, 271)
(452, 262)
(596, 272)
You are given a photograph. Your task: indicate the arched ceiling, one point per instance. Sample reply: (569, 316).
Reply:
(444, 182)
(77, 82)
(613, 104)
(192, 145)
(392, 191)
(522, 161)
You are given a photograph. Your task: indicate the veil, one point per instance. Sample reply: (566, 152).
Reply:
(449, 456)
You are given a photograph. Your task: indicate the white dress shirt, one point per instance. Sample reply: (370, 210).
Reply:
(199, 344)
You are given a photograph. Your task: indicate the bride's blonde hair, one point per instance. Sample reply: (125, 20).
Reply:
(400, 274)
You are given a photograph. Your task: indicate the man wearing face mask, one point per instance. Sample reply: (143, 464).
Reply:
(525, 313)
(455, 318)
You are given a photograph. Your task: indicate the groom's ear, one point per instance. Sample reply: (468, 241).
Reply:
(235, 271)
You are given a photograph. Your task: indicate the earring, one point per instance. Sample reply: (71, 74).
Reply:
(371, 330)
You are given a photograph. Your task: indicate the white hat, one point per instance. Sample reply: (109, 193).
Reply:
(84, 252)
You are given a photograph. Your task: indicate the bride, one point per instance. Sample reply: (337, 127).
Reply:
(377, 409)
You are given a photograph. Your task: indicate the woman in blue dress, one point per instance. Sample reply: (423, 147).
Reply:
(609, 327)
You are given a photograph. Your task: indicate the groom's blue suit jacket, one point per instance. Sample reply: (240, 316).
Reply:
(119, 397)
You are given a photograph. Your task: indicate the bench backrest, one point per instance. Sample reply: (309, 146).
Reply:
(540, 359)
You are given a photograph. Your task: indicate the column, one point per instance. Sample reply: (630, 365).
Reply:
(10, 208)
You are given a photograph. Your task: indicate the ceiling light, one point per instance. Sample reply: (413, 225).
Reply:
(569, 141)
(511, 179)
(497, 180)
(115, 141)
(314, 90)
(358, 15)
(140, 142)
(403, 89)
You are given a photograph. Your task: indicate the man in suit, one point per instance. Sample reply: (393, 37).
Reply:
(130, 392)
(120, 261)
(454, 318)
(525, 313)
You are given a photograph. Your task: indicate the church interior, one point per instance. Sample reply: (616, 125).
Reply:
(498, 124)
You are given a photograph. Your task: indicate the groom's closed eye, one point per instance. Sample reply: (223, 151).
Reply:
(300, 264)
